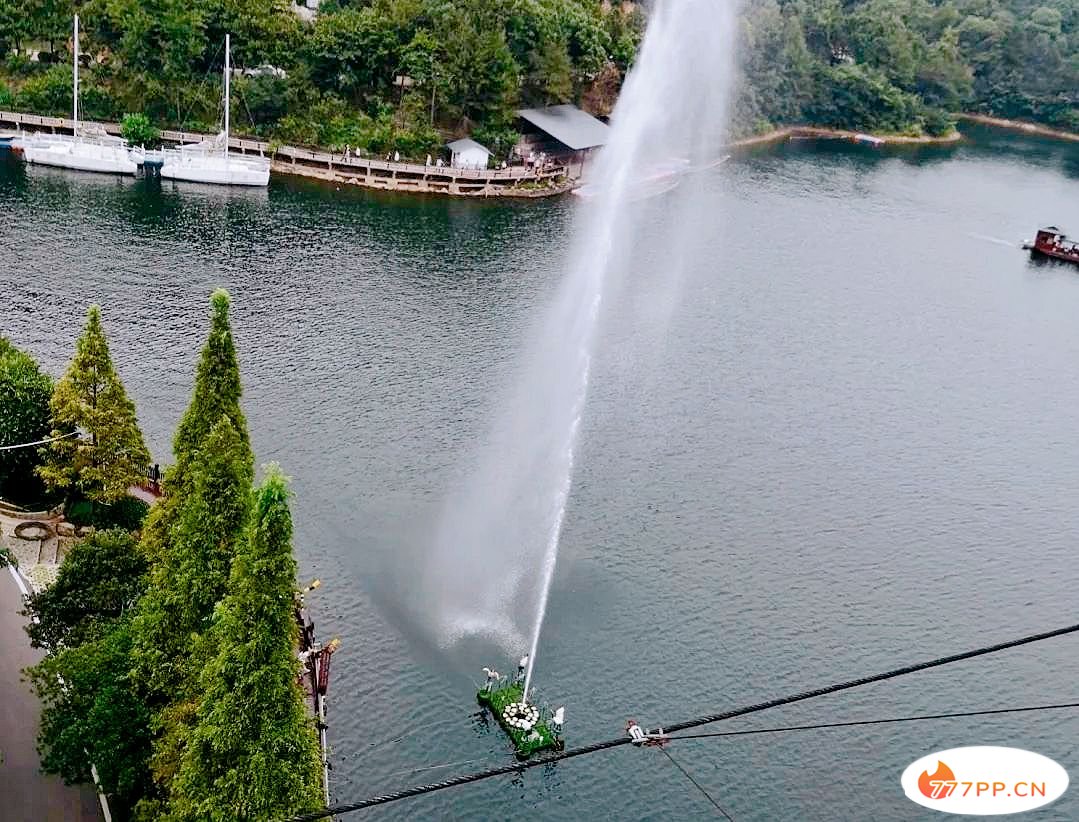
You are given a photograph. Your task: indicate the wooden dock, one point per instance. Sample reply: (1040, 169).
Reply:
(515, 181)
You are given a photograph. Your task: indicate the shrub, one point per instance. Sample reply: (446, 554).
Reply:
(937, 123)
(47, 93)
(96, 103)
(128, 514)
(139, 131)
(24, 417)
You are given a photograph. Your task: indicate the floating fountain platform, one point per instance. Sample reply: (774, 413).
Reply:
(522, 722)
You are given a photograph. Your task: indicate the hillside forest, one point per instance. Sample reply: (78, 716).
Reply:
(405, 75)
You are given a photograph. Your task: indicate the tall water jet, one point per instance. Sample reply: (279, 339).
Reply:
(497, 546)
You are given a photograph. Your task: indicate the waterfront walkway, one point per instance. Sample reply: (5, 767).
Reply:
(26, 793)
(369, 172)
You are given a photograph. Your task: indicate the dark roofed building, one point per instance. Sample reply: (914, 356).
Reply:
(564, 133)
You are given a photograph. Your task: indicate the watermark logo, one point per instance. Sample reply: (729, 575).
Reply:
(984, 781)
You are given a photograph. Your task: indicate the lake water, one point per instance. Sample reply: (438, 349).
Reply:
(832, 430)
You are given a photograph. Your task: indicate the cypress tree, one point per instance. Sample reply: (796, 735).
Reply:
(217, 388)
(189, 578)
(217, 394)
(109, 456)
(253, 753)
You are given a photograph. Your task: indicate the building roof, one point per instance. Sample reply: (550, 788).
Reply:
(569, 125)
(461, 146)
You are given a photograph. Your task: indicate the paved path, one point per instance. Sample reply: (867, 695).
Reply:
(25, 793)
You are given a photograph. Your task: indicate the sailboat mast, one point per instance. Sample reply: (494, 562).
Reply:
(75, 82)
(227, 73)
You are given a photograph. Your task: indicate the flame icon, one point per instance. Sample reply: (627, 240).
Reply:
(933, 785)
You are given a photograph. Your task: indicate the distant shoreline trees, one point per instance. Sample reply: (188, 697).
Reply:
(385, 75)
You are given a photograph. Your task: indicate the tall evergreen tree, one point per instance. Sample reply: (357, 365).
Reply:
(252, 754)
(109, 455)
(189, 578)
(217, 394)
(217, 387)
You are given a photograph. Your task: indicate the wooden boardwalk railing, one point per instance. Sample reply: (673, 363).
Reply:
(373, 170)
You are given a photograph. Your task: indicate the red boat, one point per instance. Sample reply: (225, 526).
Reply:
(1052, 242)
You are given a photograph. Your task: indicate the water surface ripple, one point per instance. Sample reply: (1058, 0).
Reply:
(847, 444)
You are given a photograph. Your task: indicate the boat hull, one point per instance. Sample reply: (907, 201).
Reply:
(216, 170)
(80, 157)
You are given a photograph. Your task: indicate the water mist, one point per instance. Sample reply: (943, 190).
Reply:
(497, 546)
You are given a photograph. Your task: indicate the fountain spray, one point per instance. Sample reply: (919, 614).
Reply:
(497, 546)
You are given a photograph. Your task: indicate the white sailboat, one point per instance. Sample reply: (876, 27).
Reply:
(84, 150)
(210, 160)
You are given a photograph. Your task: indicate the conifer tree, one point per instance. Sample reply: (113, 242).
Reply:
(217, 387)
(252, 754)
(109, 455)
(189, 578)
(217, 393)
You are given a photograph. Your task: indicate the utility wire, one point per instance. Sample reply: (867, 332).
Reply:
(465, 779)
(697, 784)
(38, 442)
(876, 721)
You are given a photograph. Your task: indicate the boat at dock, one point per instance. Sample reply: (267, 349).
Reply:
(84, 149)
(1052, 242)
(210, 161)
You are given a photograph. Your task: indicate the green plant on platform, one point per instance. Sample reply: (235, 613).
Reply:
(108, 456)
(252, 753)
(139, 131)
(24, 417)
(538, 738)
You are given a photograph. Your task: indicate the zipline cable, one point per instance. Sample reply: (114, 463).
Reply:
(876, 721)
(697, 784)
(595, 747)
(38, 442)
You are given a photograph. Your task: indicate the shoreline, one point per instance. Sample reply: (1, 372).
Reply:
(1021, 125)
(821, 133)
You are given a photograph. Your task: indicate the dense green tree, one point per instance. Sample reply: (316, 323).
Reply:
(48, 92)
(354, 52)
(108, 456)
(253, 753)
(189, 577)
(24, 417)
(217, 389)
(14, 26)
(99, 580)
(473, 63)
(91, 713)
(216, 395)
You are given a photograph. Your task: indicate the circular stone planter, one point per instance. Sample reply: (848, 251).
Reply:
(33, 531)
